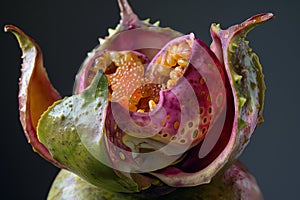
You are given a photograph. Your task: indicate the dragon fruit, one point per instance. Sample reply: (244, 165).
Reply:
(154, 112)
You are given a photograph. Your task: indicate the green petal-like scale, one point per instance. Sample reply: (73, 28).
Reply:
(61, 130)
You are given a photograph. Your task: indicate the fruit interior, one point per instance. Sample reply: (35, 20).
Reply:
(134, 82)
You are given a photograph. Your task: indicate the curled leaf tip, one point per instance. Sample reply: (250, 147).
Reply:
(24, 40)
(6, 28)
(263, 17)
(36, 92)
(9, 27)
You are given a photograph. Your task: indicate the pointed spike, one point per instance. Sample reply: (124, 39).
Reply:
(128, 17)
(236, 77)
(147, 20)
(242, 124)
(235, 45)
(117, 27)
(101, 40)
(156, 23)
(242, 101)
(111, 31)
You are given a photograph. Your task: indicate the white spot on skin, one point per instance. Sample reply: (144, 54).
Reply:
(121, 155)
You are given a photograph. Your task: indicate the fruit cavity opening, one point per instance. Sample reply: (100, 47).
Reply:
(170, 63)
(135, 84)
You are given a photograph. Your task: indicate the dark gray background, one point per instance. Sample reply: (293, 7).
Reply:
(67, 30)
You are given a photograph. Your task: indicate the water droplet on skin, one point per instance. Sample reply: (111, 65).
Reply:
(204, 120)
(201, 110)
(202, 81)
(195, 133)
(182, 132)
(174, 138)
(62, 117)
(176, 125)
(210, 110)
(182, 141)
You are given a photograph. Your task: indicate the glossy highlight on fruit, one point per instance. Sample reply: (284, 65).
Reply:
(153, 111)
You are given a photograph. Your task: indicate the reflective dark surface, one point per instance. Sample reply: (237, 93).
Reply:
(67, 30)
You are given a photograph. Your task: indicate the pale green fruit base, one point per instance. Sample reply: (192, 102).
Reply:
(234, 183)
